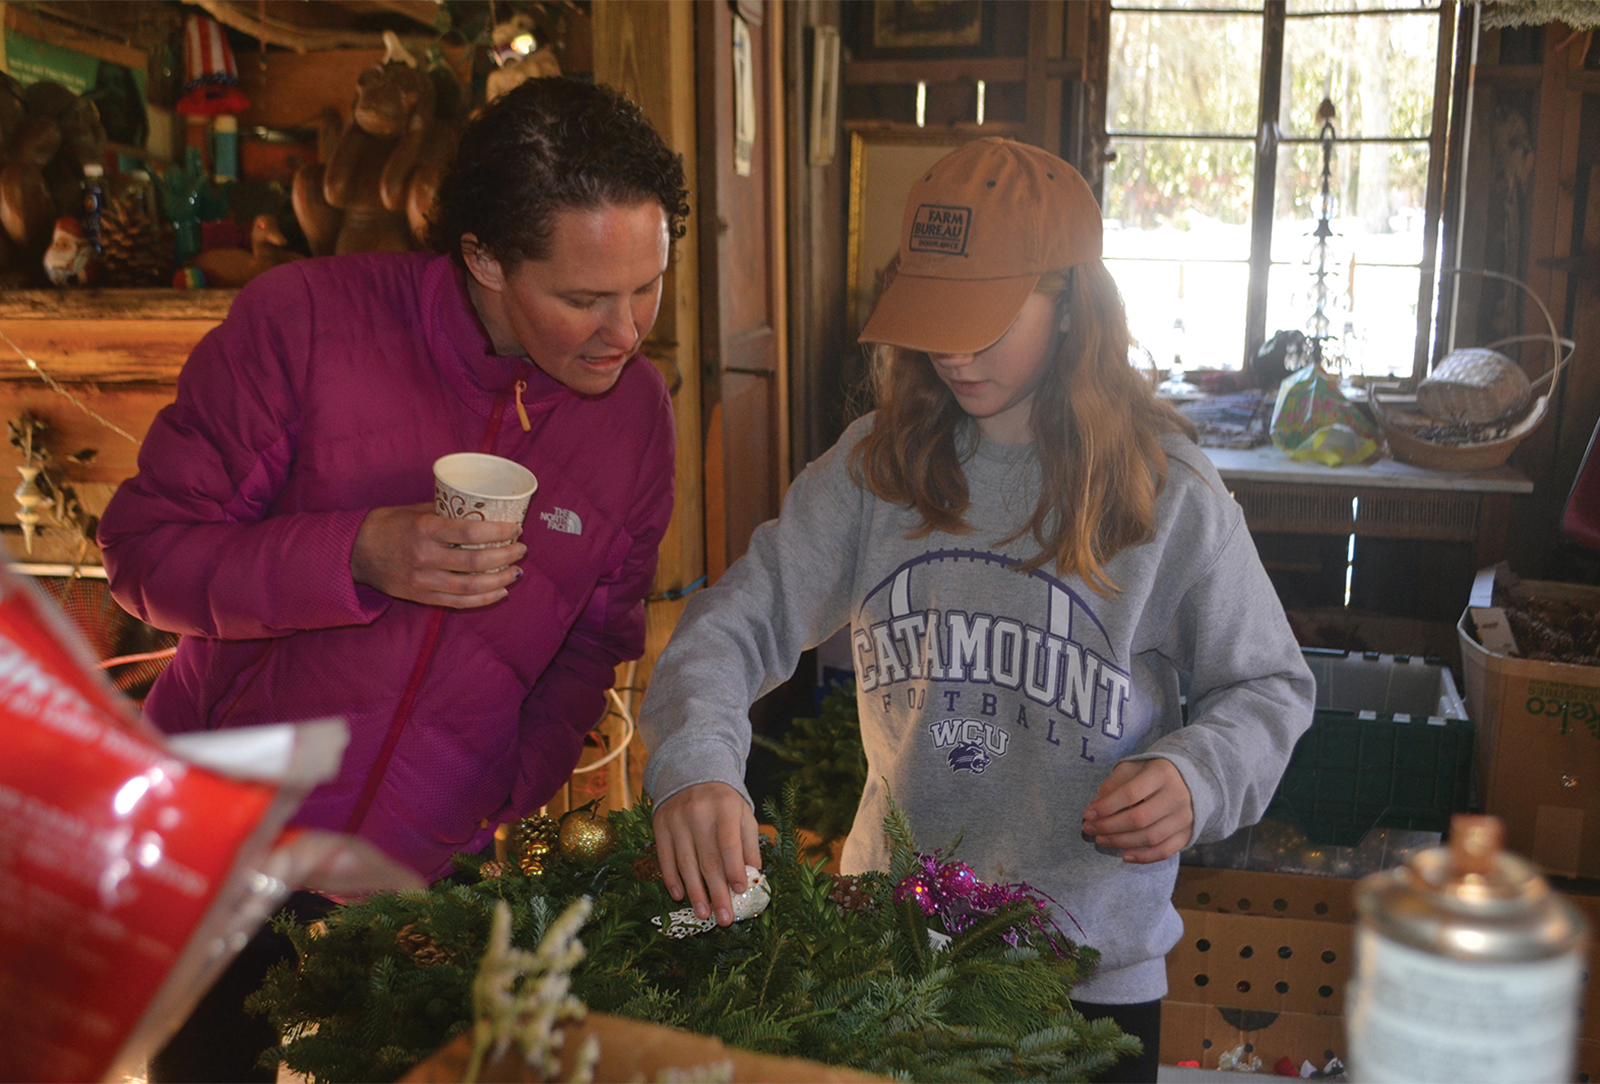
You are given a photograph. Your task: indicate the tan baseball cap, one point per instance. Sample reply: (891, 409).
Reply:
(981, 227)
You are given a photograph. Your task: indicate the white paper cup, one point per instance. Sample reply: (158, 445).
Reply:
(472, 485)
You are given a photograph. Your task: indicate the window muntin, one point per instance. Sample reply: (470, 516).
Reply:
(1179, 193)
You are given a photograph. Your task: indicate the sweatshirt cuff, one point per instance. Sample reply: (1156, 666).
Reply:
(686, 764)
(1202, 792)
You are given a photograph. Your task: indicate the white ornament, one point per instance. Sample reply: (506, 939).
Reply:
(29, 497)
(747, 904)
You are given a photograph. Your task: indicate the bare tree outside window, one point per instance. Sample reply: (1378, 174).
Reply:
(1183, 120)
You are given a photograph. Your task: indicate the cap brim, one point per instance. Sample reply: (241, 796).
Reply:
(947, 316)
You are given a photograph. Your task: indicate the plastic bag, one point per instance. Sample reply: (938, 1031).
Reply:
(133, 868)
(1335, 445)
(1309, 403)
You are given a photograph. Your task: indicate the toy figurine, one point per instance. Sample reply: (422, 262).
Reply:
(233, 267)
(69, 261)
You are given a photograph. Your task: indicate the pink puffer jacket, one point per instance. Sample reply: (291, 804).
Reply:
(330, 389)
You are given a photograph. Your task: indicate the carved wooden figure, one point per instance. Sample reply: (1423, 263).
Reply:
(362, 199)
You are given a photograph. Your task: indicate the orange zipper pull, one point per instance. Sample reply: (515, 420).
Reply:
(522, 411)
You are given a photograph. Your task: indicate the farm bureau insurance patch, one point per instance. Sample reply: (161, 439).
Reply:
(940, 229)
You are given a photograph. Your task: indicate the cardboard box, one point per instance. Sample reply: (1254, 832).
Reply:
(1390, 746)
(1538, 743)
(1234, 909)
(1203, 1033)
(1588, 1060)
(1279, 895)
(1264, 961)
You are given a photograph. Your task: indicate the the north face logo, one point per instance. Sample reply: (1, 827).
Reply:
(564, 520)
(940, 229)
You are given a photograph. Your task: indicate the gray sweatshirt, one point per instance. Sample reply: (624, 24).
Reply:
(994, 702)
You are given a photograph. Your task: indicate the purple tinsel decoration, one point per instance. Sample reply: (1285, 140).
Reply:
(953, 892)
(917, 887)
(957, 881)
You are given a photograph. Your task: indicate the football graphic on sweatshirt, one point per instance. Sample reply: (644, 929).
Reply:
(996, 649)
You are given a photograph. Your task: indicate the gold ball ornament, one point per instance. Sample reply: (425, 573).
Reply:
(586, 837)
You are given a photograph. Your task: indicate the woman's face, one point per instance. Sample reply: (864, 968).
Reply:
(996, 385)
(582, 311)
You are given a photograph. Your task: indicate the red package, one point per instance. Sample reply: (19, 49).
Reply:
(130, 874)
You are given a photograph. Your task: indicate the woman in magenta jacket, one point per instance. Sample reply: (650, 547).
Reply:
(281, 519)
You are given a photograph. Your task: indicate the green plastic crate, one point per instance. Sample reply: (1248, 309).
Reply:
(1390, 746)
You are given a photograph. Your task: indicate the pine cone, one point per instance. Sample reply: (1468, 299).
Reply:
(849, 896)
(648, 868)
(533, 843)
(490, 870)
(423, 950)
(136, 250)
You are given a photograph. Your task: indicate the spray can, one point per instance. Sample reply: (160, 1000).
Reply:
(1469, 967)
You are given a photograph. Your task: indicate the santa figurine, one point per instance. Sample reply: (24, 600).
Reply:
(69, 261)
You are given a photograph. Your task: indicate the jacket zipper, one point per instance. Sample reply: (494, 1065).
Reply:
(419, 669)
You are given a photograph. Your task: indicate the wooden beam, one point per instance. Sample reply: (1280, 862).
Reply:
(778, 224)
(1004, 69)
(102, 351)
(956, 70)
(104, 336)
(1011, 129)
(153, 304)
(1092, 45)
(1036, 80)
(418, 11)
(1435, 187)
(1272, 33)
(247, 19)
(647, 50)
(59, 29)
(1455, 164)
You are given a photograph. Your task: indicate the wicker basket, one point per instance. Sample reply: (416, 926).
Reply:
(1399, 426)
(1453, 398)
(1474, 385)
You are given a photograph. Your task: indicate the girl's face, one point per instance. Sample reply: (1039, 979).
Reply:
(995, 386)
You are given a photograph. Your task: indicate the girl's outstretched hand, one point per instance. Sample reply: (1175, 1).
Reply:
(705, 837)
(1143, 809)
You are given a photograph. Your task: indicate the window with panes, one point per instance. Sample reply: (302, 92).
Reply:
(1214, 180)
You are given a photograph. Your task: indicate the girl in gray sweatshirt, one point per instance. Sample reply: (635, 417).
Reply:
(1033, 558)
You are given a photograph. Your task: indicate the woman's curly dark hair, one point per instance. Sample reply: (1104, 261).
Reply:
(543, 146)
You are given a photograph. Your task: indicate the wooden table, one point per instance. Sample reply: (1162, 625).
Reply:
(1386, 499)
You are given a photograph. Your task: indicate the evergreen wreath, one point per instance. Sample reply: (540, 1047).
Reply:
(834, 970)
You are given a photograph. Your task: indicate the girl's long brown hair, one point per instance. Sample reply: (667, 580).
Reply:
(1096, 427)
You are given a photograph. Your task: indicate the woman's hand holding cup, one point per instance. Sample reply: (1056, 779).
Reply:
(412, 553)
(460, 551)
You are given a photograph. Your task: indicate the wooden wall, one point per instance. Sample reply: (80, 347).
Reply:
(1532, 210)
(103, 363)
(646, 49)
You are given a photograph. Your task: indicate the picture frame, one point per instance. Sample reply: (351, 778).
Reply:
(883, 166)
(905, 29)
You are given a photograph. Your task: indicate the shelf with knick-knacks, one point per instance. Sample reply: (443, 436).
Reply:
(82, 373)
